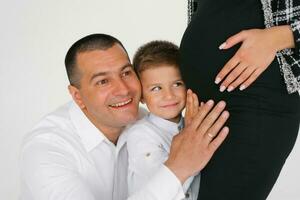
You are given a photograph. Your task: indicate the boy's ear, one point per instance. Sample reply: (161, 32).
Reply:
(76, 96)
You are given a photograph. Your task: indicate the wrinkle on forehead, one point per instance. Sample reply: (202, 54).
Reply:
(113, 59)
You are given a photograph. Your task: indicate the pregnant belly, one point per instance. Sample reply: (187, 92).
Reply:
(201, 60)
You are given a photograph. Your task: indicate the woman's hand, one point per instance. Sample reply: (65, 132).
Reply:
(257, 51)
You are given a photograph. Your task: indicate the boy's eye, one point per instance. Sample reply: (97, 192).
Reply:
(102, 82)
(178, 83)
(156, 88)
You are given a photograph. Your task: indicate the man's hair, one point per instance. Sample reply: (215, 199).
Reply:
(88, 43)
(154, 54)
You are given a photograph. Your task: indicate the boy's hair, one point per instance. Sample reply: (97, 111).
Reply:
(154, 54)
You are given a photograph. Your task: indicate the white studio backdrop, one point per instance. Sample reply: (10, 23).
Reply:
(34, 38)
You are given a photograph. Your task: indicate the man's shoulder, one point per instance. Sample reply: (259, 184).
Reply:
(55, 126)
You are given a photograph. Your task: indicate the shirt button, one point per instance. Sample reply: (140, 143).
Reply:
(187, 195)
(148, 154)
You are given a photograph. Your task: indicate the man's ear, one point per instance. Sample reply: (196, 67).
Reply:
(75, 93)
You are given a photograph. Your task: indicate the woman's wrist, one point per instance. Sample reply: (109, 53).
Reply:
(283, 37)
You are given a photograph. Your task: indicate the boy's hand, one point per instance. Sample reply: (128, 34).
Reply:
(191, 108)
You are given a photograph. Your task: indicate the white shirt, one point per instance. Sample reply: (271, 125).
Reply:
(65, 157)
(148, 144)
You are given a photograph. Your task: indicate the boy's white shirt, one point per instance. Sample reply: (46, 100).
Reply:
(148, 144)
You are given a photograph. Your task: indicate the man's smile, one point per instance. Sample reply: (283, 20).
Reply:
(121, 104)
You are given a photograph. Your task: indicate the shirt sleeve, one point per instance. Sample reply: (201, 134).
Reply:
(146, 171)
(49, 173)
(163, 185)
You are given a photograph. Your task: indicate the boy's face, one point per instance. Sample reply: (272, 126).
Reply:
(163, 91)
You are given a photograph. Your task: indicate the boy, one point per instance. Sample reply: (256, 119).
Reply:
(164, 93)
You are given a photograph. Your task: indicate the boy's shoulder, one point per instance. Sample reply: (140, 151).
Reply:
(141, 124)
(143, 129)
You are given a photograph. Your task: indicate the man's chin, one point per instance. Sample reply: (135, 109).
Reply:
(128, 119)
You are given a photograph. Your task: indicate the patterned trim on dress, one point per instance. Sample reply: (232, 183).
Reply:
(190, 10)
(273, 19)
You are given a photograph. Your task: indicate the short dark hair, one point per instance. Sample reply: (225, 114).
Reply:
(88, 43)
(154, 54)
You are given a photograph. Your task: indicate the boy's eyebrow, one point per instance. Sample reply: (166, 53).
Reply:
(178, 80)
(105, 73)
(155, 84)
(158, 84)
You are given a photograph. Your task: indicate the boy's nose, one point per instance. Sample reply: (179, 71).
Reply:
(169, 94)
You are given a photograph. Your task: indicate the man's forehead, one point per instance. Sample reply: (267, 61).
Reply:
(114, 57)
(113, 51)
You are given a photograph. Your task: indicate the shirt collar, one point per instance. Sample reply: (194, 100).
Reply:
(166, 125)
(90, 135)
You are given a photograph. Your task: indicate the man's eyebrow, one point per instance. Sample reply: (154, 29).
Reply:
(127, 65)
(105, 73)
(98, 74)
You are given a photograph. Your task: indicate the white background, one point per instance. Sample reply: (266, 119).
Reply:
(34, 38)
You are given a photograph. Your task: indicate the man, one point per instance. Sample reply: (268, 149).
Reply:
(78, 152)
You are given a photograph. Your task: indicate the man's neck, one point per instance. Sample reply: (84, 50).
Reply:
(111, 133)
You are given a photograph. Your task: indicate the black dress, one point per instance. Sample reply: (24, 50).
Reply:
(264, 118)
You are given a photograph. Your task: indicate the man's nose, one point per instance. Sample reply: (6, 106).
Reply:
(121, 88)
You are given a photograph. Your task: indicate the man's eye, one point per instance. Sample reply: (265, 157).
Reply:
(157, 88)
(126, 73)
(102, 82)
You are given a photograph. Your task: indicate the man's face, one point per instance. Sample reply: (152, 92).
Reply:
(109, 90)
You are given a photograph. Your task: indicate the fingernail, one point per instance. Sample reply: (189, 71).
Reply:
(210, 102)
(242, 87)
(221, 104)
(225, 114)
(230, 88)
(217, 81)
(222, 46)
(226, 129)
(202, 103)
(222, 88)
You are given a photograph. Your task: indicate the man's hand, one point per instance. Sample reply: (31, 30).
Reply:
(194, 146)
